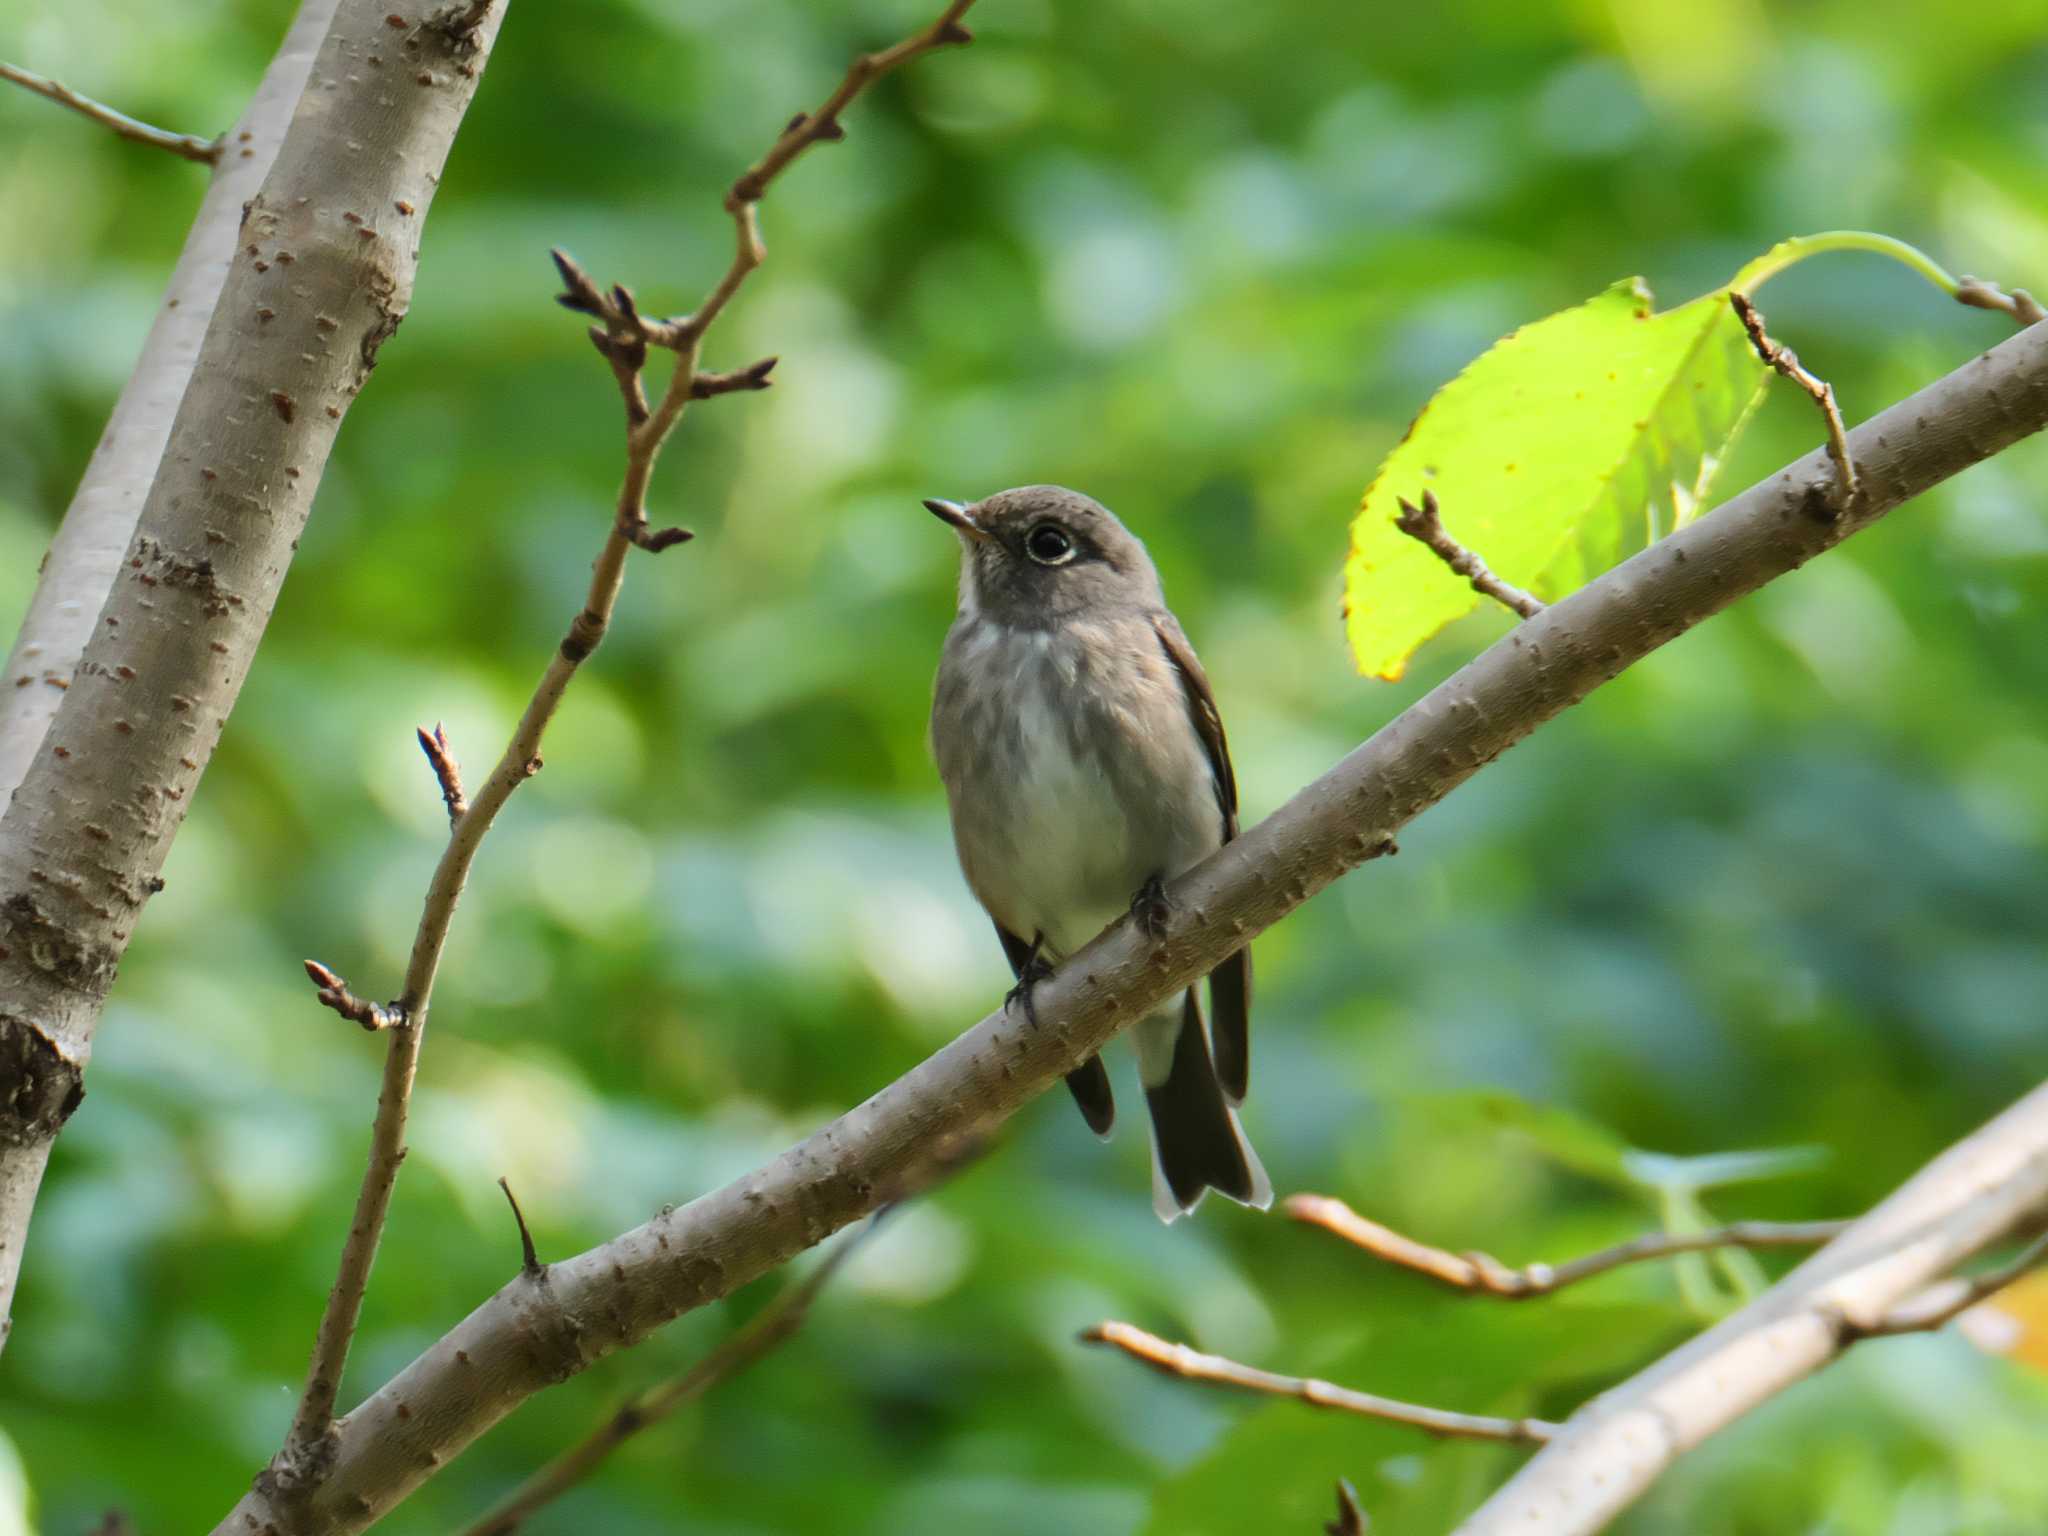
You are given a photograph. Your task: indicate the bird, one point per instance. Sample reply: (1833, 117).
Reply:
(1085, 766)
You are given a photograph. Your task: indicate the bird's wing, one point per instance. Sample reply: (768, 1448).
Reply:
(1230, 984)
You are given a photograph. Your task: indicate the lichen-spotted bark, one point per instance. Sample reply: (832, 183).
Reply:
(322, 274)
(78, 571)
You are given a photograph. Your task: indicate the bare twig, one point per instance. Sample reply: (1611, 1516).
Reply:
(1483, 1274)
(205, 151)
(1351, 1517)
(1783, 359)
(623, 339)
(769, 1328)
(1426, 527)
(1193, 1365)
(625, 334)
(2024, 308)
(334, 993)
(447, 772)
(1941, 1304)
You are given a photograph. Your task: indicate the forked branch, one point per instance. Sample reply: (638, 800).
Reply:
(1482, 1274)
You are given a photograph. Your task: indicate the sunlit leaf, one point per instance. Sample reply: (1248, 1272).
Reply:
(1570, 444)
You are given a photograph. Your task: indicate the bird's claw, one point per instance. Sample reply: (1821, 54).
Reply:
(1151, 908)
(1029, 975)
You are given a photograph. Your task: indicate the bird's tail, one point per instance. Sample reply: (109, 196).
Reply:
(1197, 1144)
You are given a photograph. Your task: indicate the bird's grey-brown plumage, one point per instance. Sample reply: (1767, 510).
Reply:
(1085, 763)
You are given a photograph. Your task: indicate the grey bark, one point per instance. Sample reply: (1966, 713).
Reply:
(1976, 1193)
(78, 571)
(541, 1329)
(321, 276)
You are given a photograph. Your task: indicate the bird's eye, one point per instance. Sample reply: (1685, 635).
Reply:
(1048, 544)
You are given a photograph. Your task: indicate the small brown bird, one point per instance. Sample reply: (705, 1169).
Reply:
(1085, 764)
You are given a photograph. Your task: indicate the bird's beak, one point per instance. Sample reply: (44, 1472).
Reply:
(962, 518)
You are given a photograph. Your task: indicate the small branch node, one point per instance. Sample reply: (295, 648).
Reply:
(447, 772)
(753, 376)
(643, 535)
(529, 1261)
(1481, 1274)
(1424, 525)
(1786, 362)
(334, 993)
(2021, 305)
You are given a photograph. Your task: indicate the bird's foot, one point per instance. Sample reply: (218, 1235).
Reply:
(1151, 908)
(1034, 970)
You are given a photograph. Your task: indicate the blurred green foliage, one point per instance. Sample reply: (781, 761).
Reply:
(1782, 884)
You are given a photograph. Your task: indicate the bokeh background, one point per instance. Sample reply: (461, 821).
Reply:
(1781, 887)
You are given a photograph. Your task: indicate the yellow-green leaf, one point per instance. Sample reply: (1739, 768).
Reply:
(1566, 447)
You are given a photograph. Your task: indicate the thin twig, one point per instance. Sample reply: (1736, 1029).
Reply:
(623, 339)
(447, 772)
(1192, 1365)
(2024, 308)
(1482, 1274)
(1941, 1304)
(334, 993)
(205, 151)
(625, 334)
(1782, 358)
(1425, 526)
(529, 1259)
(769, 1328)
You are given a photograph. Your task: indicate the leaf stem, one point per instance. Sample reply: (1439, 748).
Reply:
(1789, 253)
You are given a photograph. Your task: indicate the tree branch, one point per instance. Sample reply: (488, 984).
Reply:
(296, 1473)
(78, 572)
(775, 1323)
(1192, 1365)
(1483, 1274)
(1868, 1281)
(325, 252)
(205, 151)
(515, 1343)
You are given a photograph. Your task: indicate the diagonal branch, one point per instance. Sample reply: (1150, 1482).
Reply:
(205, 151)
(1193, 1365)
(615, 1294)
(775, 1323)
(1876, 1278)
(1482, 1274)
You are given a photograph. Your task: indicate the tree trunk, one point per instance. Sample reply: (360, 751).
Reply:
(78, 572)
(321, 275)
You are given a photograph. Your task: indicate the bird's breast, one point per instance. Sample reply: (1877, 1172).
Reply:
(1073, 771)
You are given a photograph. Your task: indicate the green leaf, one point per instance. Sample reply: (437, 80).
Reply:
(1566, 447)
(1570, 1140)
